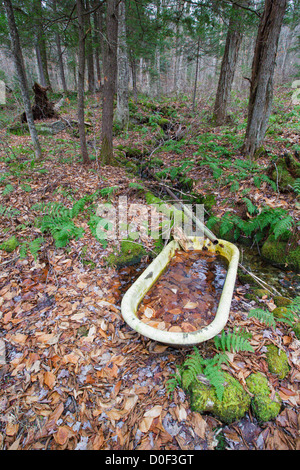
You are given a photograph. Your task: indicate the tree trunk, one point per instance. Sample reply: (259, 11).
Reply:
(109, 85)
(90, 52)
(60, 55)
(229, 61)
(196, 75)
(41, 45)
(41, 74)
(263, 66)
(61, 63)
(134, 76)
(97, 42)
(122, 111)
(20, 69)
(80, 86)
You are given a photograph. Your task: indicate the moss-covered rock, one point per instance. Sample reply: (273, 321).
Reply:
(280, 312)
(233, 406)
(164, 123)
(296, 329)
(263, 407)
(279, 254)
(280, 301)
(257, 294)
(10, 245)
(130, 253)
(277, 361)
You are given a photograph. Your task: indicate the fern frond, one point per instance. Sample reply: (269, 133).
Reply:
(252, 209)
(214, 373)
(33, 247)
(296, 186)
(283, 226)
(62, 229)
(263, 316)
(8, 211)
(173, 382)
(233, 341)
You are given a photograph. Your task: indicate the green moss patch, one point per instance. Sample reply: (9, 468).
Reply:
(10, 245)
(263, 406)
(130, 253)
(277, 361)
(279, 254)
(234, 404)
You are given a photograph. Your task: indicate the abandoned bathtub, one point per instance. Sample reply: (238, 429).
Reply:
(143, 284)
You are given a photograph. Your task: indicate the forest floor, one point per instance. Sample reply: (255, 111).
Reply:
(73, 374)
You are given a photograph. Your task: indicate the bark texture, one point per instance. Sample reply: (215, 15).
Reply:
(263, 66)
(109, 84)
(122, 111)
(20, 69)
(229, 61)
(80, 84)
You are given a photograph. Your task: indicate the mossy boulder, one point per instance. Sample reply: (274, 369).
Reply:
(263, 406)
(296, 329)
(233, 405)
(164, 123)
(285, 170)
(281, 301)
(280, 254)
(277, 361)
(10, 245)
(280, 312)
(130, 253)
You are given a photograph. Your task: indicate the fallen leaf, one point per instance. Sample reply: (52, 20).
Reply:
(191, 305)
(153, 412)
(62, 435)
(49, 379)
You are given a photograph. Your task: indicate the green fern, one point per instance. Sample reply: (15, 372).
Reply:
(33, 247)
(214, 374)
(173, 382)
(263, 316)
(252, 209)
(296, 186)
(8, 211)
(192, 367)
(8, 190)
(283, 226)
(258, 179)
(196, 366)
(233, 341)
(62, 229)
(109, 191)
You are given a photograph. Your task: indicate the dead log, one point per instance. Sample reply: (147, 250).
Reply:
(42, 108)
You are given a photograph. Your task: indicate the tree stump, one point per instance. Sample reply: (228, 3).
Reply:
(42, 108)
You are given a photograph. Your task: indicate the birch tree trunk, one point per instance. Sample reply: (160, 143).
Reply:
(80, 83)
(109, 85)
(122, 111)
(20, 69)
(263, 66)
(228, 66)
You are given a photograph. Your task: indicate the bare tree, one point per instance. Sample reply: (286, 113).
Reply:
(80, 84)
(229, 61)
(122, 111)
(20, 69)
(109, 84)
(263, 66)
